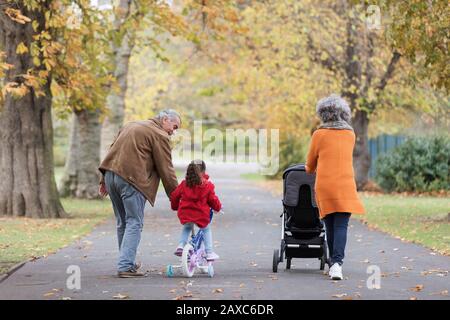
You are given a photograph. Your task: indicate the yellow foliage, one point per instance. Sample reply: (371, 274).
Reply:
(16, 16)
(15, 89)
(21, 48)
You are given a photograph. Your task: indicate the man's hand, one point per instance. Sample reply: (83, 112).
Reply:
(102, 190)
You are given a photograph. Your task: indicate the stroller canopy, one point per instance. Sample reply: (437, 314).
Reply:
(294, 177)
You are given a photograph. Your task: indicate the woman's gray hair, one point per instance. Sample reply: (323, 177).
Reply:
(168, 113)
(333, 108)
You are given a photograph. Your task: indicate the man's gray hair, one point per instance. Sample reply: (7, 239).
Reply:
(333, 108)
(168, 113)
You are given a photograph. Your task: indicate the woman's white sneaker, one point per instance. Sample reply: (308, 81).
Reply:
(336, 272)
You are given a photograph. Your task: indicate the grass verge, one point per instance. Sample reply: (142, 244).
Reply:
(24, 238)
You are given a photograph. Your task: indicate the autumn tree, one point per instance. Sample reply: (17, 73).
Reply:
(134, 22)
(109, 35)
(92, 69)
(50, 62)
(28, 38)
(296, 52)
(419, 30)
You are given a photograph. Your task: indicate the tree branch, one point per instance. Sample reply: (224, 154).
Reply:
(389, 71)
(331, 63)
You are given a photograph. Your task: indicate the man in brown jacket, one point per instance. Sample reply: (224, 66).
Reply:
(138, 158)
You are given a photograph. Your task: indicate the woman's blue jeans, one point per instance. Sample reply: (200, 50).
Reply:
(336, 225)
(128, 204)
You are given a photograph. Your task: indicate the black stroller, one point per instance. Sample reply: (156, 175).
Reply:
(302, 232)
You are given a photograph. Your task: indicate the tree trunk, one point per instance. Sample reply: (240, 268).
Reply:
(116, 99)
(81, 176)
(352, 85)
(27, 182)
(361, 157)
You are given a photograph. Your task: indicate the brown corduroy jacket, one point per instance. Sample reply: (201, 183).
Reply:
(141, 155)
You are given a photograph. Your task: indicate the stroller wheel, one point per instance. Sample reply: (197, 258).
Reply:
(324, 259)
(276, 259)
(288, 263)
(322, 263)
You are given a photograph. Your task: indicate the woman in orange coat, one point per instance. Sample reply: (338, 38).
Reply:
(331, 157)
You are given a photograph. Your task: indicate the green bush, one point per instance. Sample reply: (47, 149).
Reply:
(420, 164)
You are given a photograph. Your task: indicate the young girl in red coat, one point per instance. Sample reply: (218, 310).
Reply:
(193, 199)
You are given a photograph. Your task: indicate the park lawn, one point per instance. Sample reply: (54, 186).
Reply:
(418, 219)
(23, 238)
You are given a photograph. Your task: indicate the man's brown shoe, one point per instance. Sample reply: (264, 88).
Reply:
(132, 273)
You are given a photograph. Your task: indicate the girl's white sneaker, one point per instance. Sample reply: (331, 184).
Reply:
(336, 272)
(212, 256)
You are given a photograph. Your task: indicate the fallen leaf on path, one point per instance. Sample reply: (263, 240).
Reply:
(365, 261)
(121, 296)
(66, 298)
(439, 272)
(49, 294)
(339, 295)
(442, 293)
(242, 285)
(417, 288)
(407, 268)
(413, 298)
(253, 264)
(173, 291)
(217, 290)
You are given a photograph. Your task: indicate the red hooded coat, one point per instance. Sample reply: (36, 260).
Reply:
(193, 204)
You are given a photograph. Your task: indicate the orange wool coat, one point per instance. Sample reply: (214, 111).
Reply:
(331, 157)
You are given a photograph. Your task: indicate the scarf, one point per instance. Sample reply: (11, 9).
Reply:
(338, 125)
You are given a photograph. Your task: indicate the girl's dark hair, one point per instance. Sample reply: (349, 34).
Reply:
(193, 173)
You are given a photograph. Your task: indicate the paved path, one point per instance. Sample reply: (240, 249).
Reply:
(245, 238)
